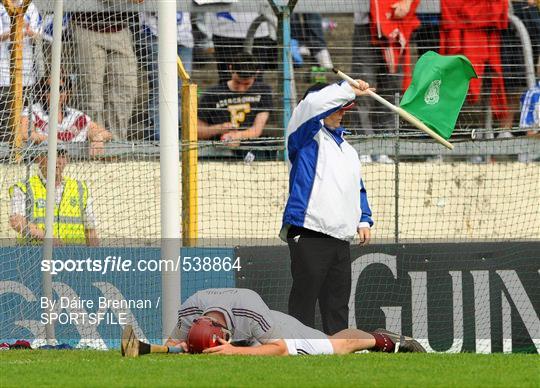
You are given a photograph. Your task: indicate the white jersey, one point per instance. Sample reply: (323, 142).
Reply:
(248, 318)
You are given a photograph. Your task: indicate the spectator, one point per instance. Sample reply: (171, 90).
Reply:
(372, 60)
(32, 23)
(75, 222)
(238, 109)
(229, 31)
(73, 125)
(107, 67)
(307, 30)
(512, 54)
(185, 52)
(479, 39)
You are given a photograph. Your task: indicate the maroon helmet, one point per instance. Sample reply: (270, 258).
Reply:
(204, 334)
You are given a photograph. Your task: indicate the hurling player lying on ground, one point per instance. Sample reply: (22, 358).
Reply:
(237, 321)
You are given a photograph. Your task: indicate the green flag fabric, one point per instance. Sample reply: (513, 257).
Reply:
(438, 89)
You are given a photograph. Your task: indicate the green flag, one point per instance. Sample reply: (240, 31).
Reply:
(438, 89)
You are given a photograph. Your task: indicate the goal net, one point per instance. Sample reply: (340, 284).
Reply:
(454, 256)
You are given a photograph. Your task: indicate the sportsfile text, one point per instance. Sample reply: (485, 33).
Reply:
(119, 264)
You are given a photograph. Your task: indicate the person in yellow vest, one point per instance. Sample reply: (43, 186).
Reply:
(74, 219)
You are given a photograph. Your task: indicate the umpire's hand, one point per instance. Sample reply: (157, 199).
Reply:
(363, 88)
(365, 235)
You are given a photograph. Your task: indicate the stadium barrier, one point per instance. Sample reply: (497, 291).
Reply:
(469, 297)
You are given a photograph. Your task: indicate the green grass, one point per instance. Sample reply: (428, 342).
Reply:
(94, 368)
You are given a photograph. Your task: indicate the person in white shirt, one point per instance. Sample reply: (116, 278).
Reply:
(253, 329)
(73, 125)
(229, 31)
(32, 30)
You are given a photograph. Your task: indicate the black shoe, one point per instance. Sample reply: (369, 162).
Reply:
(403, 344)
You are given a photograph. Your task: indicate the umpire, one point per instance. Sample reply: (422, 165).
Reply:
(327, 205)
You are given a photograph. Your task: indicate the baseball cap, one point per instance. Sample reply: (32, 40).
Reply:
(348, 106)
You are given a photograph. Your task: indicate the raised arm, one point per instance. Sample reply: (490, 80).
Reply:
(317, 105)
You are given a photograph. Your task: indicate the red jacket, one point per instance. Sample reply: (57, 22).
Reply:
(393, 35)
(472, 28)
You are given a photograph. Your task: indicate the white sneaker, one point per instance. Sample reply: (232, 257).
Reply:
(323, 58)
(366, 159)
(384, 159)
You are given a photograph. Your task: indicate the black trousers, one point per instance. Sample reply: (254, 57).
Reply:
(321, 270)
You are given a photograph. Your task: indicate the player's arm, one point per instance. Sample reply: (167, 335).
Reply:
(277, 348)
(317, 105)
(207, 131)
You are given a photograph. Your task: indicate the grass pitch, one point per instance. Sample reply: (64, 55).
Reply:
(95, 368)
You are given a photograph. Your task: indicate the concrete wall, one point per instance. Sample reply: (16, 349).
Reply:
(245, 201)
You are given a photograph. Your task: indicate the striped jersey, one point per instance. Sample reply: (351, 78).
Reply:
(248, 318)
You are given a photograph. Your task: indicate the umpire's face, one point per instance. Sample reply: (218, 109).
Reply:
(334, 120)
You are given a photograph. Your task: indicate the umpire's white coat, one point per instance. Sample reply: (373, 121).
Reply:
(326, 192)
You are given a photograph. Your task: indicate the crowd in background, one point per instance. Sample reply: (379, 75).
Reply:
(106, 54)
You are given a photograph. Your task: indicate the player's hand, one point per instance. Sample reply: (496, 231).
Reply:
(365, 235)
(401, 8)
(224, 348)
(177, 344)
(363, 88)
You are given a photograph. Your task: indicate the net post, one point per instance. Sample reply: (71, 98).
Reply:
(169, 163)
(52, 147)
(396, 173)
(284, 14)
(190, 206)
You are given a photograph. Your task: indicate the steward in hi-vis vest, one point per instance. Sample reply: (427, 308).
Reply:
(74, 220)
(68, 215)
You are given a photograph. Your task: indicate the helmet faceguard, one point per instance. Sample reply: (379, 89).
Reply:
(205, 333)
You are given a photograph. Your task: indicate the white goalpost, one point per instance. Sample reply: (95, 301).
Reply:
(169, 162)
